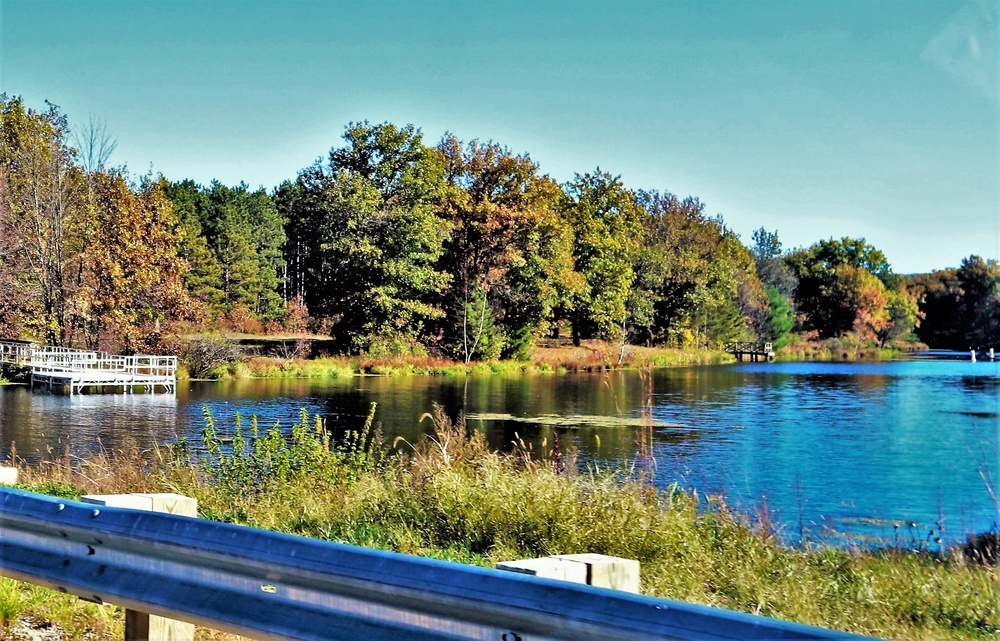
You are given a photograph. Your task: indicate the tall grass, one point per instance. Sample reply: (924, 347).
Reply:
(449, 496)
(591, 356)
(844, 348)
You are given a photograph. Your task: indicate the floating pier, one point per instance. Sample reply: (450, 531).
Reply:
(78, 369)
(753, 351)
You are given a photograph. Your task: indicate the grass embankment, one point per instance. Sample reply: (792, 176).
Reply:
(591, 356)
(845, 348)
(450, 497)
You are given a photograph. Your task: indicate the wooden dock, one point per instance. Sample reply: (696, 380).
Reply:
(78, 369)
(753, 351)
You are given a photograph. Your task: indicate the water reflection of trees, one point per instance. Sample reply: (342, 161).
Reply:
(980, 384)
(45, 426)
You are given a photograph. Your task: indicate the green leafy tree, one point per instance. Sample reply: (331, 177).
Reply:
(607, 222)
(700, 277)
(940, 299)
(835, 294)
(378, 237)
(904, 315)
(959, 308)
(979, 311)
(508, 253)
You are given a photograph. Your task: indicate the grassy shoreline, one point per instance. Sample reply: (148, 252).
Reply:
(450, 497)
(592, 356)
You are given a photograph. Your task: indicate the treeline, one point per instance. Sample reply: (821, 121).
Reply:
(462, 249)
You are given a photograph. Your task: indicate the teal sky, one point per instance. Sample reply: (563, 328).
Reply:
(814, 118)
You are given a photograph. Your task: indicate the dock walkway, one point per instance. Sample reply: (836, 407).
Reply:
(78, 369)
(753, 351)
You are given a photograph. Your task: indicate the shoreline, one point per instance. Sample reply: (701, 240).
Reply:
(592, 356)
(450, 497)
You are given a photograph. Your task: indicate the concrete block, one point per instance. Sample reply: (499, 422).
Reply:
(160, 502)
(8, 476)
(127, 501)
(174, 504)
(547, 568)
(606, 571)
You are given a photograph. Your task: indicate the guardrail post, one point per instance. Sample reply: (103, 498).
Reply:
(607, 571)
(598, 570)
(141, 626)
(8, 476)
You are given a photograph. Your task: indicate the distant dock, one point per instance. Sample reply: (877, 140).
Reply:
(78, 369)
(752, 351)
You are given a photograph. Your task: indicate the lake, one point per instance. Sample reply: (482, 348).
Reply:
(834, 452)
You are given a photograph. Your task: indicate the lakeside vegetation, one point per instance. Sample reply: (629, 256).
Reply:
(591, 356)
(450, 497)
(462, 251)
(452, 260)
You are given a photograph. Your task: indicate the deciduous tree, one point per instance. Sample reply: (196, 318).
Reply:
(607, 223)
(979, 311)
(835, 294)
(39, 216)
(508, 252)
(133, 275)
(378, 236)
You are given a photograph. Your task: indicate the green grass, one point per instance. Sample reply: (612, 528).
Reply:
(845, 348)
(592, 356)
(450, 497)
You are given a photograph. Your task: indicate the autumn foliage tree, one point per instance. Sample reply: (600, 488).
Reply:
(508, 252)
(847, 286)
(465, 250)
(133, 276)
(40, 214)
(86, 255)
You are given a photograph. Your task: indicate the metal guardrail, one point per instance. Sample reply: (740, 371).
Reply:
(267, 585)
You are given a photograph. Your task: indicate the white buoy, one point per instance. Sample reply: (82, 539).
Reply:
(973, 356)
(991, 353)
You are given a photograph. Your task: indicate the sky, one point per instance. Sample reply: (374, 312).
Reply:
(814, 118)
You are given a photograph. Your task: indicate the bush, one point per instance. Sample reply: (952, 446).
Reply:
(204, 354)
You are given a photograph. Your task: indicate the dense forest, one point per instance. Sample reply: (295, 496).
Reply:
(461, 249)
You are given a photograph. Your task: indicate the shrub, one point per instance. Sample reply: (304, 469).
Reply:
(203, 354)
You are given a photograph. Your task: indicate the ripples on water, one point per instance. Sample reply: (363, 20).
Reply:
(833, 450)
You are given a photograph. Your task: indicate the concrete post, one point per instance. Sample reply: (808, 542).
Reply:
(8, 476)
(607, 571)
(547, 568)
(140, 626)
(592, 569)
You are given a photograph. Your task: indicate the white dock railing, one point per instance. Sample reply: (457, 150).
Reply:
(15, 352)
(80, 368)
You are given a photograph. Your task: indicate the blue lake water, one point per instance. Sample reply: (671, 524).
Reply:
(837, 452)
